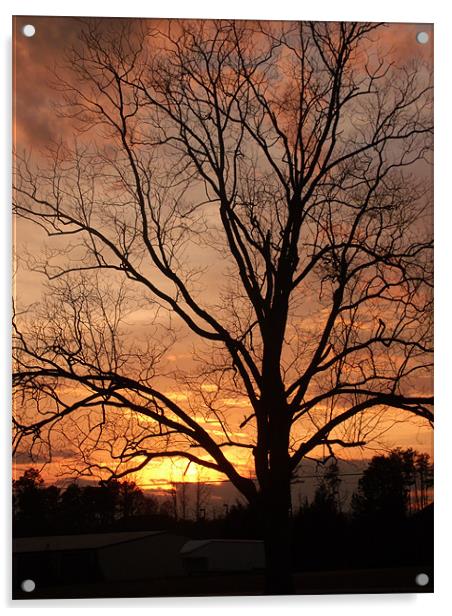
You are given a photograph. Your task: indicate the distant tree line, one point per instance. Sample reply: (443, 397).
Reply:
(110, 505)
(39, 509)
(396, 484)
(390, 522)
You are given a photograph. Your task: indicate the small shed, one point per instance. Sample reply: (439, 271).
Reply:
(222, 555)
(69, 559)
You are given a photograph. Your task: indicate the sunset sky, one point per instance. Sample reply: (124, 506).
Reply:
(36, 124)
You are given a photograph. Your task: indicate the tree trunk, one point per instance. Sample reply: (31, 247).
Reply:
(273, 470)
(278, 549)
(278, 542)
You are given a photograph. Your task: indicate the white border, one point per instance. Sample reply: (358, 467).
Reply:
(428, 11)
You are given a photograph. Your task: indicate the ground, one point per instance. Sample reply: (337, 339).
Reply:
(399, 580)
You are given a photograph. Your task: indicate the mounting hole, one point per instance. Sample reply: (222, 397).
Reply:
(422, 37)
(422, 579)
(28, 30)
(28, 585)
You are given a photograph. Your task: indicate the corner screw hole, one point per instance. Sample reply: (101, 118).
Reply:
(28, 585)
(422, 37)
(28, 30)
(422, 579)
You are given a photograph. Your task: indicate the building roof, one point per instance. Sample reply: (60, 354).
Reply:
(77, 542)
(196, 544)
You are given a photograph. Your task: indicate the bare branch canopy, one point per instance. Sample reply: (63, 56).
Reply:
(260, 190)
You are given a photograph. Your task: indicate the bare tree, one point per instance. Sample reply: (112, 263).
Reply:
(182, 499)
(261, 189)
(202, 497)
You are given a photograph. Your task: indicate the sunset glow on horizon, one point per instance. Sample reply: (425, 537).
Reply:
(143, 338)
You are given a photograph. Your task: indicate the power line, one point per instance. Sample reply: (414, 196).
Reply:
(317, 476)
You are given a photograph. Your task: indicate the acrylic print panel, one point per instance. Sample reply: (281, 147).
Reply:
(223, 308)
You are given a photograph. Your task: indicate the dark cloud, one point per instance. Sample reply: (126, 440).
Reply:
(34, 58)
(25, 458)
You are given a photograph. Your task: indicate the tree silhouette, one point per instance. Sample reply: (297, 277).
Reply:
(38, 508)
(389, 520)
(327, 495)
(33, 503)
(72, 509)
(423, 480)
(132, 501)
(202, 494)
(320, 531)
(385, 488)
(291, 158)
(27, 493)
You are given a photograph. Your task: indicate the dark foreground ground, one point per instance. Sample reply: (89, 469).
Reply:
(396, 580)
